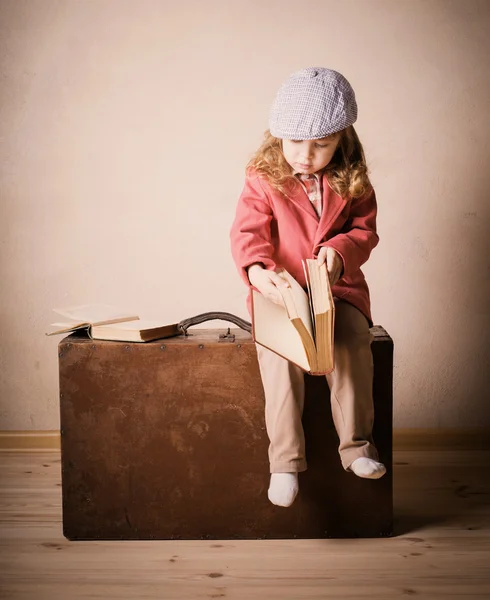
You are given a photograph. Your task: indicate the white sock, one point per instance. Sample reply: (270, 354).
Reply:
(368, 468)
(283, 488)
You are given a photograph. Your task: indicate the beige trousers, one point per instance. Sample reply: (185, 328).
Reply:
(350, 383)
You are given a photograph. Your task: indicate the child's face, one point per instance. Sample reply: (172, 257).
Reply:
(310, 156)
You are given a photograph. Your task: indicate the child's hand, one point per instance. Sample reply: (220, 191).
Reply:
(267, 283)
(334, 261)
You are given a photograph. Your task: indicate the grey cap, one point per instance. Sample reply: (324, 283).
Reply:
(311, 104)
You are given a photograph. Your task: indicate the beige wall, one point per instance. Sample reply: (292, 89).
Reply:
(107, 106)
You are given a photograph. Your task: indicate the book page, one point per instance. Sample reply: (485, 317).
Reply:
(67, 327)
(320, 286)
(70, 325)
(95, 313)
(307, 279)
(139, 325)
(273, 329)
(301, 301)
(324, 308)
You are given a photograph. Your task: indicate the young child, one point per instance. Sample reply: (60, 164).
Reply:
(307, 195)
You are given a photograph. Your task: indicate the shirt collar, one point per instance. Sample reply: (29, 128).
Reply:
(318, 175)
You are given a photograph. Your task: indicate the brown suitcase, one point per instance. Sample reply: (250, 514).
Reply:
(167, 440)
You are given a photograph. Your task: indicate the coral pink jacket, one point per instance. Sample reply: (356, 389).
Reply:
(280, 231)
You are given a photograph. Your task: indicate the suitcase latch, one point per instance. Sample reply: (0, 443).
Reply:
(227, 337)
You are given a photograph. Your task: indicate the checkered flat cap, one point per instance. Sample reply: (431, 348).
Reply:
(311, 104)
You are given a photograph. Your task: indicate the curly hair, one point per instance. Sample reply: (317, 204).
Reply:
(347, 172)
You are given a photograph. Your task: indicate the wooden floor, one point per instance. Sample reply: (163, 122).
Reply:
(440, 551)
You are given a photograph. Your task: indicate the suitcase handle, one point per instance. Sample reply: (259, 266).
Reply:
(209, 316)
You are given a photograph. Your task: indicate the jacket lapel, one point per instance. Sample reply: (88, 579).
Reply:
(332, 207)
(300, 198)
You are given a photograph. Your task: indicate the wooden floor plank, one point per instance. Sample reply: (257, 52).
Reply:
(440, 551)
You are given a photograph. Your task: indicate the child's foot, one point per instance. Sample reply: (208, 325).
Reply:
(283, 488)
(368, 468)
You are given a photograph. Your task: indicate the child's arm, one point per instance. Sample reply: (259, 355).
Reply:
(359, 236)
(250, 233)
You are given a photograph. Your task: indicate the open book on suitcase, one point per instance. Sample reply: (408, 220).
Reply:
(106, 322)
(302, 331)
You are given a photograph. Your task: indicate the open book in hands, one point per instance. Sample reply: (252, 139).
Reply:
(104, 322)
(303, 331)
